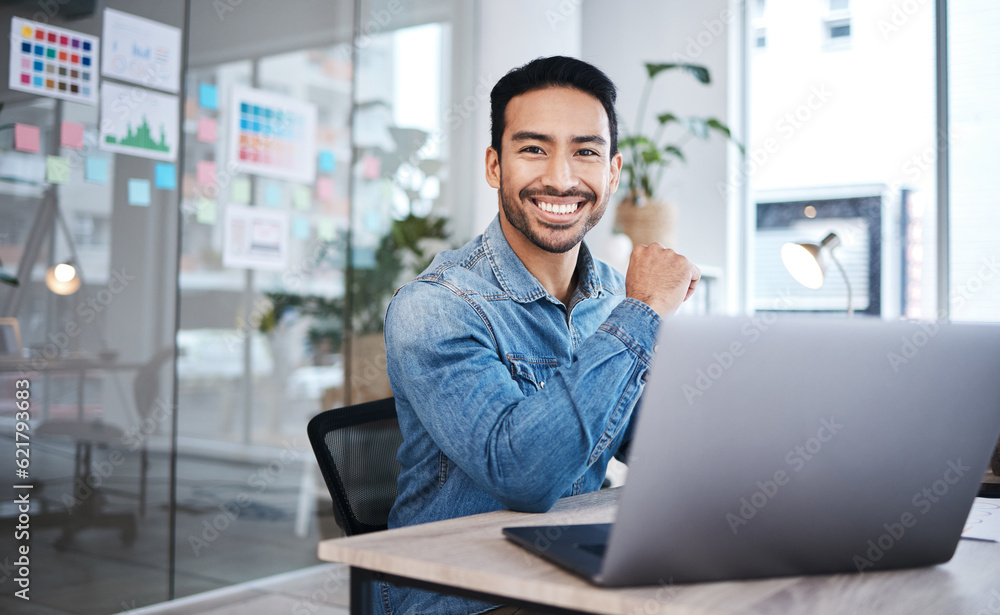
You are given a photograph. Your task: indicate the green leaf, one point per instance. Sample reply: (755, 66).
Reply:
(651, 155)
(675, 151)
(721, 128)
(698, 126)
(666, 118)
(633, 141)
(697, 71)
(718, 126)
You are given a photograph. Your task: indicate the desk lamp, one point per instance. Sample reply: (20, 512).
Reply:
(806, 263)
(64, 278)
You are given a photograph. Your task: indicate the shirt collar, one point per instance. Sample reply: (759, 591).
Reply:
(515, 278)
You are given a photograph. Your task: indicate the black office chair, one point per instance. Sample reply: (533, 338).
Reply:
(356, 450)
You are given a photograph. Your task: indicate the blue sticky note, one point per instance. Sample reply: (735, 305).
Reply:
(327, 163)
(138, 192)
(97, 170)
(272, 195)
(364, 258)
(208, 97)
(300, 227)
(166, 176)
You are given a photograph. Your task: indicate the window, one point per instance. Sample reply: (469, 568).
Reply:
(973, 132)
(857, 221)
(852, 137)
(839, 30)
(759, 29)
(837, 25)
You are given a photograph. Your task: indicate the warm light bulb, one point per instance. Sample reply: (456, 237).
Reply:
(64, 272)
(802, 264)
(63, 279)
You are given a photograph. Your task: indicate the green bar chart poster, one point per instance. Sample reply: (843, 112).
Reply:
(139, 122)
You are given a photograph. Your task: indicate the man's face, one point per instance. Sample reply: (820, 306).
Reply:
(556, 173)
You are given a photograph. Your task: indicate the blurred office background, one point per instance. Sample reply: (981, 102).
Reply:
(170, 392)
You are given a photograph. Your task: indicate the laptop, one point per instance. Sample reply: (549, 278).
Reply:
(771, 447)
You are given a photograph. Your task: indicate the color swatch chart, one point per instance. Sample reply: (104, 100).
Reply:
(271, 135)
(268, 136)
(53, 61)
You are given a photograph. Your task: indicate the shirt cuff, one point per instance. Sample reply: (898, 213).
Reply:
(636, 325)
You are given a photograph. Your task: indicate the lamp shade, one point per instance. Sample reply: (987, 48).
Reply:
(62, 279)
(803, 262)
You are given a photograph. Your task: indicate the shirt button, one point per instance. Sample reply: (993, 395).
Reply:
(541, 384)
(656, 348)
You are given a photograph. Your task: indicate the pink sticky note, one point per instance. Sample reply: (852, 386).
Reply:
(208, 129)
(26, 138)
(71, 135)
(324, 189)
(372, 167)
(206, 173)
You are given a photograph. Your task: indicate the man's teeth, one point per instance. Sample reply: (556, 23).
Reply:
(558, 209)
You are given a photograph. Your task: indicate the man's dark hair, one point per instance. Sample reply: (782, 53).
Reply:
(557, 71)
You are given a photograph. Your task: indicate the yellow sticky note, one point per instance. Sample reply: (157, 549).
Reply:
(56, 170)
(206, 211)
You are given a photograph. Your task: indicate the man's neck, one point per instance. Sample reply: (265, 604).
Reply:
(555, 272)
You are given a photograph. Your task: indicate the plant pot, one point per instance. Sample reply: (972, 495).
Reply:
(647, 220)
(369, 380)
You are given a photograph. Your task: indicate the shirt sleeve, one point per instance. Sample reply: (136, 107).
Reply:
(525, 450)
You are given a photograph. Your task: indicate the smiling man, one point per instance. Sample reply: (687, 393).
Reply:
(517, 360)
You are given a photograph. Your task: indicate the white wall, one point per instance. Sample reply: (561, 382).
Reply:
(512, 33)
(619, 37)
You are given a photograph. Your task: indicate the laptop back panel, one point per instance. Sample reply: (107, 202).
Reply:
(774, 447)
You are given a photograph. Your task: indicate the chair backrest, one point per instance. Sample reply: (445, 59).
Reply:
(356, 450)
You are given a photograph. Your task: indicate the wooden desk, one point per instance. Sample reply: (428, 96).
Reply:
(469, 556)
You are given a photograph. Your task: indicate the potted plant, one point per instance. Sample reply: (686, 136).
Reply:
(641, 214)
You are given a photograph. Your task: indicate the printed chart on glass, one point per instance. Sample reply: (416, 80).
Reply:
(272, 135)
(255, 238)
(141, 51)
(53, 61)
(138, 121)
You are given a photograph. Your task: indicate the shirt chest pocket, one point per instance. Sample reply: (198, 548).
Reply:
(530, 373)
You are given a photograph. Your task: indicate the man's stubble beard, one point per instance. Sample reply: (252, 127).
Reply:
(518, 217)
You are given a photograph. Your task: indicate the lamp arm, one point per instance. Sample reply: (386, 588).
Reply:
(850, 296)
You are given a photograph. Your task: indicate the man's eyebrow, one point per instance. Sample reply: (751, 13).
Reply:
(527, 135)
(598, 139)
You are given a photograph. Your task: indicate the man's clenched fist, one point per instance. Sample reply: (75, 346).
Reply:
(660, 278)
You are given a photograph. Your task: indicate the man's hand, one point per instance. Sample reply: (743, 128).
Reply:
(660, 278)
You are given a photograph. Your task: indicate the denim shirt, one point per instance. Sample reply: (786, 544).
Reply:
(507, 398)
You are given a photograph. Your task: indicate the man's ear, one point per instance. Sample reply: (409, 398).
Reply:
(616, 170)
(493, 167)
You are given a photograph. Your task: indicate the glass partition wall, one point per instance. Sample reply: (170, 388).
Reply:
(233, 285)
